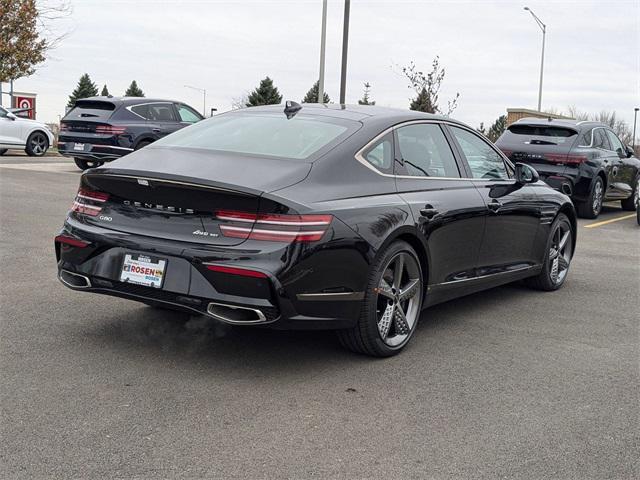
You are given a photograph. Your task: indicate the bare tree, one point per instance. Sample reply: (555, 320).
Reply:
(427, 88)
(240, 102)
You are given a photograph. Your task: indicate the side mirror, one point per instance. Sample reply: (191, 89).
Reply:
(630, 152)
(11, 116)
(526, 174)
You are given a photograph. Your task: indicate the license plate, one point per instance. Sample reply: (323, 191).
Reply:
(79, 147)
(143, 270)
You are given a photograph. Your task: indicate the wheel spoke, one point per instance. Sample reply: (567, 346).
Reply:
(553, 253)
(385, 322)
(398, 269)
(402, 326)
(409, 290)
(563, 263)
(554, 269)
(385, 289)
(563, 240)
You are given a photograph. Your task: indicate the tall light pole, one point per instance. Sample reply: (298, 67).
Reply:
(323, 42)
(345, 44)
(635, 118)
(543, 27)
(204, 98)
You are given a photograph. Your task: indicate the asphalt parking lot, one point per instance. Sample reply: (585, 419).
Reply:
(508, 383)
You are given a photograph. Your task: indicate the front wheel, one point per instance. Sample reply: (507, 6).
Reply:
(593, 205)
(37, 144)
(391, 306)
(631, 203)
(558, 257)
(85, 164)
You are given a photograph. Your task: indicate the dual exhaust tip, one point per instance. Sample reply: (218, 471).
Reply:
(233, 314)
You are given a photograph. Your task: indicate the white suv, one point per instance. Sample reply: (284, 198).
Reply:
(33, 137)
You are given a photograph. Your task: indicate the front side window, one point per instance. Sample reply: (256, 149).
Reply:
(425, 152)
(380, 154)
(484, 161)
(616, 144)
(264, 134)
(187, 114)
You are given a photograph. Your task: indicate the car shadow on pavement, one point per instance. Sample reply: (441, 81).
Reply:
(180, 337)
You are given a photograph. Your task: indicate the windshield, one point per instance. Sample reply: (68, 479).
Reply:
(263, 134)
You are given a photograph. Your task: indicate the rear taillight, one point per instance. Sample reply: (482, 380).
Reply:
(89, 202)
(273, 227)
(73, 242)
(572, 159)
(110, 130)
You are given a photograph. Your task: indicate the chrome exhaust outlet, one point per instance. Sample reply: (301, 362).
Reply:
(566, 189)
(235, 314)
(74, 280)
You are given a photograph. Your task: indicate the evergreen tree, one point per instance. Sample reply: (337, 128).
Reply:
(423, 102)
(265, 94)
(365, 97)
(134, 90)
(312, 94)
(86, 88)
(105, 91)
(481, 129)
(498, 127)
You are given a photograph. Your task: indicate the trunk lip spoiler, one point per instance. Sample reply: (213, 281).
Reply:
(145, 176)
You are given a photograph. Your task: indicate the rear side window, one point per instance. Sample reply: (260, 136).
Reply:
(484, 161)
(91, 110)
(600, 139)
(380, 154)
(425, 152)
(263, 134)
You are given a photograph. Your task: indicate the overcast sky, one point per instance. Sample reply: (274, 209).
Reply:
(490, 49)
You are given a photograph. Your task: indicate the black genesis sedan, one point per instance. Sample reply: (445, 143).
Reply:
(100, 129)
(585, 160)
(315, 217)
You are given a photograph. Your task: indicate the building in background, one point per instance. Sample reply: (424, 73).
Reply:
(515, 114)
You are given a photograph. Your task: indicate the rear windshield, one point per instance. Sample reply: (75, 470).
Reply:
(264, 134)
(90, 110)
(541, 131)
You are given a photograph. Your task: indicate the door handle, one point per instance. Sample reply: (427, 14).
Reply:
(428, 211)
(494, 205)
(156, 130)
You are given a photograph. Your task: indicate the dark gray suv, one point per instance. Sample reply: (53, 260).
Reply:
(585, 160)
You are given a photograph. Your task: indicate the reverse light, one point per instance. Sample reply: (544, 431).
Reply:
(110, 130)
(273, 227)
(89, 202)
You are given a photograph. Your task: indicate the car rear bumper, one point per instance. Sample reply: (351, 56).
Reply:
(189, 285)
(90, 151)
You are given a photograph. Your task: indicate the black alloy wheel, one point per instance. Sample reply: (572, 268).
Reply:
(37, 144)
(391, 306)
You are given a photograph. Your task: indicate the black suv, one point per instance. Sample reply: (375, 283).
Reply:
(101, 129)
(585, 160)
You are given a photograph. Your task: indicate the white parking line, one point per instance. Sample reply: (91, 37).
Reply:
(52, 167)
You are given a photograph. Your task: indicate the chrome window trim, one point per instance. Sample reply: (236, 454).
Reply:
(360, 157)
(146, 103)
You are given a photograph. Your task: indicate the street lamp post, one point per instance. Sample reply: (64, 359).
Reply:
(635, 118)
(345, 44)
(543, 27)
(323, 42)
(204, 98)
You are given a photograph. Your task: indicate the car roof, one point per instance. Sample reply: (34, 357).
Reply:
(361, 113)
(126, 101)
(560, 122)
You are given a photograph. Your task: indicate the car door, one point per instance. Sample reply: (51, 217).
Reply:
(624, 169)
(447, 209)
(162, 119)
(609, 159)
(511, 210)
(11, 130)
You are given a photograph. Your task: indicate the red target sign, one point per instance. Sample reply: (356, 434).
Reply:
(28, 103)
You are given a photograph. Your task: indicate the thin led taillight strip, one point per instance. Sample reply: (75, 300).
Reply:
(267, 221)
(283, 233)
(84, 205)
(87, 197)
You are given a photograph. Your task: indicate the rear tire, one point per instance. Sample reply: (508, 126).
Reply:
(593, 205)
(37, 144)
(631, 202)
(143, 144)
(391, 306)
(85, 164)
(3, 151)
(557, 259)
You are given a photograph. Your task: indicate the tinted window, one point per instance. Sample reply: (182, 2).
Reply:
(541, 131)
(600, 139)
(141, 110)
(586, 139)
(380, 154)
(483, 160)
(539, 135)
(616, 144)
(425, 152)
(161, 112)
(89, 109)
(187, 114)
(263, 134)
